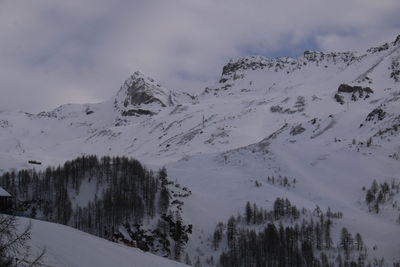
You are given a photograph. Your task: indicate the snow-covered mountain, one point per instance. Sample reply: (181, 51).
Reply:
(328, 120)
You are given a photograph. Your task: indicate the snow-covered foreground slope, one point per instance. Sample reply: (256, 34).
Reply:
(68, 247)
(329, 120)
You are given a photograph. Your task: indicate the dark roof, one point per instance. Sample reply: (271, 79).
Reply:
(4, 193)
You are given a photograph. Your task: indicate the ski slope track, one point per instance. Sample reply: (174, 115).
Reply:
(264, 117)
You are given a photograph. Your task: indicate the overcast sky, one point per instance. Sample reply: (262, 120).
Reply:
(78, 51)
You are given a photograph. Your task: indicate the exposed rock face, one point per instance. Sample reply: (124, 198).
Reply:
(298, 129)
(251, 62)
(397, 41)
(378, 114)
(345, 88)
(136, 112)
(355, 91)
(140, 95)
(395, 68)
(339, 99)
(338, 57)
(379, 48)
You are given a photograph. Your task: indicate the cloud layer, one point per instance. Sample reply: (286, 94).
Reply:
(54, 52)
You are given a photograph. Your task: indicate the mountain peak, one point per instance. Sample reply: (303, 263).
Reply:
(139, 90)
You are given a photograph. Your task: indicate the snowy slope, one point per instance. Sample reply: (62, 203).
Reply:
(263, 117)
(67, 247)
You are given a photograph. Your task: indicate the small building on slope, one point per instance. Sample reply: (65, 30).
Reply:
(6, 202)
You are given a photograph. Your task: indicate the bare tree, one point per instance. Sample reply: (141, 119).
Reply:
(14, 250)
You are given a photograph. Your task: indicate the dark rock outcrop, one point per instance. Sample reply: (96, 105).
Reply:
(136, 112)
(345, 88)
(339, 99)
(376, 113)
(379, 48)
(298, 129)
(397, 41)
(395, 69)
(355, 91)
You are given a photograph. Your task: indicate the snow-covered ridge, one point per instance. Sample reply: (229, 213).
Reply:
(233, 69)
(287, 63)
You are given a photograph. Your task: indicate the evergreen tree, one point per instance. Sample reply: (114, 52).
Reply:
(359, 242)
(369, 197)
(231, 231)
(217, 236)
(346, 241)
(249, 213)
(163, 202)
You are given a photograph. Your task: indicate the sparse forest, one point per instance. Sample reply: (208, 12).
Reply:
(382, 196)
(102, 197)
(287, 236)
